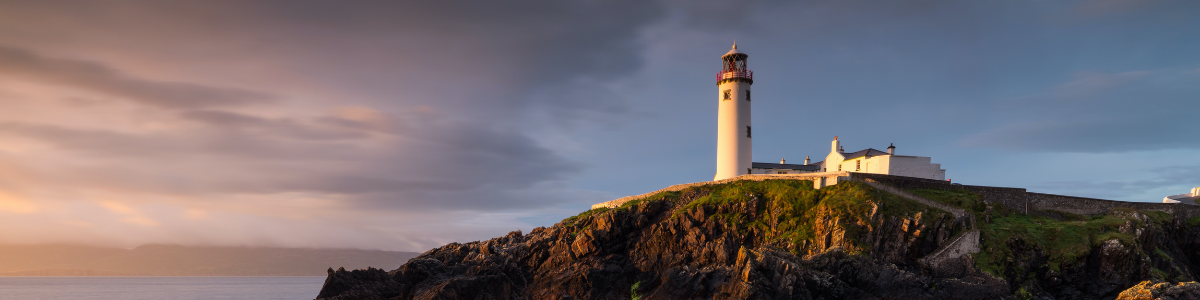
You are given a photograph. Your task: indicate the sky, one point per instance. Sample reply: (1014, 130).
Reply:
(406, 125)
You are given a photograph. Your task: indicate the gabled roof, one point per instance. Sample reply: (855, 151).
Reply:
(861, 153)
(759, 165)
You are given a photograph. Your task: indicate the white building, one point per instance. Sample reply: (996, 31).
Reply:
(733, 115)
(734, 137)
(1189, 198)
(879, 162)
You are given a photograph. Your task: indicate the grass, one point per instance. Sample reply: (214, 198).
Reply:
(633, 291)
(570, 221)
(1193, 222)
(1065, 242)
(788, 209)
(957, 198)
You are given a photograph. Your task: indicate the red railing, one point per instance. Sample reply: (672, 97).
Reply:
(747, 74)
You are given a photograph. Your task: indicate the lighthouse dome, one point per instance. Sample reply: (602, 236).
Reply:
(734, 51)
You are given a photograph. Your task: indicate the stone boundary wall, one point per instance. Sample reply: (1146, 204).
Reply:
(1015, 199)
(957, 212)
(1090, 206)
(967, 242)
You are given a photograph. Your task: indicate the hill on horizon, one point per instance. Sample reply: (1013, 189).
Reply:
(175, 260)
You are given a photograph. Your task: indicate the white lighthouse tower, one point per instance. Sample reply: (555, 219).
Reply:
(733, 116)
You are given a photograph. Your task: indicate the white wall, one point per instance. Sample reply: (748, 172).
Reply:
(733, 116)
(915, 166)
(911, 166)
(900, 165)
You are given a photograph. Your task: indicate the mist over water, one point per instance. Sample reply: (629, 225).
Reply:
(155, 288)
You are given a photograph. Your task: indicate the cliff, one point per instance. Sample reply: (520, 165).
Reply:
(782, 239)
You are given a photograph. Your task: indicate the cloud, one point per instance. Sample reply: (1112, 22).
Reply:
(24, 64)
(1099, 8)
(14, 204)
(238, 153)
(1168, 180)
(404, 125)
(1100, 112)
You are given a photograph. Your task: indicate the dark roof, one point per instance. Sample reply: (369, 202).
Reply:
(866, 152)
(759, 165)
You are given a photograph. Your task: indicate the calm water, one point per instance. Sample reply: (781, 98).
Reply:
(137, 288)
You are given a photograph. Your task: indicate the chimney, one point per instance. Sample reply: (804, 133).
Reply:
(892, 149)
(836, 146)
(841, 149)
(782, 161)
(806, 159)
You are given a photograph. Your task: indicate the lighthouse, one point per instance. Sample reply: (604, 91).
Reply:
(733, 115)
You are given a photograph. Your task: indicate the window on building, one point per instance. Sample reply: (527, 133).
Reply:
(858, 165)
(747, 131)
(747, 95)
(726, 95)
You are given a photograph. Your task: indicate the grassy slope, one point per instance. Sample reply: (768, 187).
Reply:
(1065, 241)
(788, 208)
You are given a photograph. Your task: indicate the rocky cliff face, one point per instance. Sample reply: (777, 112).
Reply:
(779, 240)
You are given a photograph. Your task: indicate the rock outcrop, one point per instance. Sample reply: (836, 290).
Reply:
(781, 240)
(1147, 290)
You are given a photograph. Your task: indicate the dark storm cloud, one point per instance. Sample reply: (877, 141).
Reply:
(474, 153)
(434, 114)
(526, 45)
(19, 63)
(439, 164)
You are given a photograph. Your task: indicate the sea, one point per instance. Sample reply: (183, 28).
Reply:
(158, 288)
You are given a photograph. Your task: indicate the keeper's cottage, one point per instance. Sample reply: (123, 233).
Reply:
(734, 134)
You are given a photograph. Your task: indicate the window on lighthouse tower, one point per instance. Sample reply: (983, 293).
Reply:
(747, 95)
(726, 95)
(748, 131)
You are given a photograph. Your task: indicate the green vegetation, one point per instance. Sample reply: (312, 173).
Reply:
(788, 209)
(633, 291)
(1193, 222)
(786, 212)
(1065, 239)
(958, 198)
(1064, 242)
(570, 221)
(1023, 294)
(790, 214)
